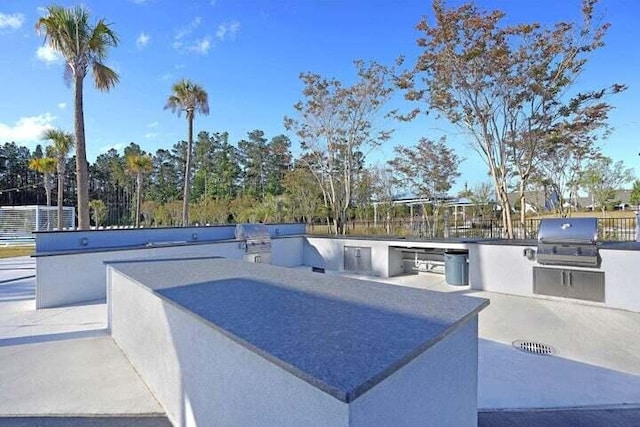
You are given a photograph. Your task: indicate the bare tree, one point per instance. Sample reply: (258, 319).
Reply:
(602, 178)
(335, 125)
(508, 87)
(429, 169)
(559, 173)
(481, 197)
(384, 191)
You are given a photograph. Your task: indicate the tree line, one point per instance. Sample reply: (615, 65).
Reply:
(508, 87)
(226, 182)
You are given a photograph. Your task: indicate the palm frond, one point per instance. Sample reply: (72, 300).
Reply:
(139, 163)
(186, 96)
(61, 142)
(44, 165)
(104, 78)
(69, 32)
(101, 39)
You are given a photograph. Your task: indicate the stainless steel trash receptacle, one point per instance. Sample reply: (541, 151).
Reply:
(456, 268)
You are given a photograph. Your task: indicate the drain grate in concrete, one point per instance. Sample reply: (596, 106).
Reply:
(534, 347)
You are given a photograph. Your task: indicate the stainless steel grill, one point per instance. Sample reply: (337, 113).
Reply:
(256, 242)
(568, 241)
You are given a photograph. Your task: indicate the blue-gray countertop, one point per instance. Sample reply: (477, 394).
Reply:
(149, 245)
(341, 335)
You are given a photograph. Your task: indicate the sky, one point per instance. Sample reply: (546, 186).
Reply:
(248, 55)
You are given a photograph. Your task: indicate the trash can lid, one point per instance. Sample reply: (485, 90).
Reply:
(456, 251)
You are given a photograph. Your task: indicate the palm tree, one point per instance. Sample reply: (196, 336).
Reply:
(61, 144)
(99, 210)
(47, 167)
(189, 97)
(68, 32)
(138, 165)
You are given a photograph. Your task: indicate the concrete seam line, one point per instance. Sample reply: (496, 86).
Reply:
(17, 278)
(562, 408)
(77, 415)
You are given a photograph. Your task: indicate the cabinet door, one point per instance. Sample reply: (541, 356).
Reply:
(586, 285)
(364, 260)
(351, 258)
(357, 259)
(550, 281)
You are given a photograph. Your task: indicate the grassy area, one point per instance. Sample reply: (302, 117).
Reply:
(13, 251)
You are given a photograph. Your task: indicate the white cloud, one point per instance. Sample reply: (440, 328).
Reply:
(166, 77)
(62, 105)
(11, 22)
(228, 30)
(151, 135)
(184, 43)
(201, 46)
(188, 29)
(143, 40)
(116, 147)
(27, 129)
(42, 11)
(153, 125)
(47, 55)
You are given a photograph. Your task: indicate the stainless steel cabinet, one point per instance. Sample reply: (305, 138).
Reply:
(569, 283)
(258, 258)
(357, 259)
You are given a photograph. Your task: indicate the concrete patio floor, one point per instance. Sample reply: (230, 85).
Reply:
(597, 360)
(61, 362)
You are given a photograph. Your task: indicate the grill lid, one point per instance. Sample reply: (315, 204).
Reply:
(252, 232)
(568, 230)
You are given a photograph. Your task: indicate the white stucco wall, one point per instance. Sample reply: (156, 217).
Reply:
(81, 277)
(201, 377)
(329, 252)
(500, 268)
(287, 252)
(504, 269)
(438, 388)
(621, 278)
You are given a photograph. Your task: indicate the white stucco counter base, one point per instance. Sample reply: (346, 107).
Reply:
(224, 342)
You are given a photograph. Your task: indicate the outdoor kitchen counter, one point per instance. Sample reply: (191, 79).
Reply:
(409, 239)
(339, 335)
(148, 245)
(621, 246)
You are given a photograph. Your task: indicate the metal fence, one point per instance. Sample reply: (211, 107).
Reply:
(609, 229)
(18, 222)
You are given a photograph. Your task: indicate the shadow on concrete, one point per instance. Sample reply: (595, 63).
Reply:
(33, 339)
(98, 421)
(13, 291)
(78, 304)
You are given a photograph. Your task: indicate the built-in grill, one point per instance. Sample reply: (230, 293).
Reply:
(256, 242)
(568, 241)
(565, 243)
